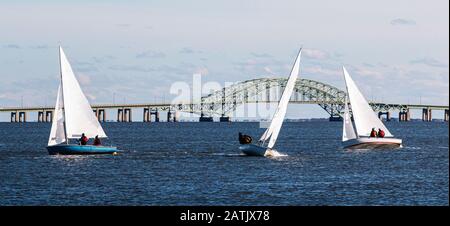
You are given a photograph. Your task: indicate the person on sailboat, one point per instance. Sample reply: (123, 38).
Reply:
(373, 133)
(244, 139)
(83, 140)
(97, 141)
(380, 133)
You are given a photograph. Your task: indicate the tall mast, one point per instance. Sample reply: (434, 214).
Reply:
(62, 96)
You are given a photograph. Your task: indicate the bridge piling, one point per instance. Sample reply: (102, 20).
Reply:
(40, 116)
(446, 115)
(204, 118)
(124, 115)
(175, 116)
(169, 116)
(48, 116)
(14, 116)
(156, 113)
(128, 115)
(146, 115)
(102, 114)
(120, 115)
(387, 113)
(172, 116)
(335, 118)
(426, 115)
(96, 113)
(404, 115)
(224, 118)
(22, 116)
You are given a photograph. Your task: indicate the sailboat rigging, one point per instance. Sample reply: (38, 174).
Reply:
(365, 120)
(272, 132)
(73, 116)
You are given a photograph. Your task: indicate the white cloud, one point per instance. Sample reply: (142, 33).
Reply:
(137, 68)
(268, 70)
(430, 62)
(91, 97)
(187, 50)
(322, 71)
(401, 21)
(123, 25)
(368, 73)
(315, 54)
(84, 79)
(11, 46)
(261, 55)
(150, 54)
(202, 71)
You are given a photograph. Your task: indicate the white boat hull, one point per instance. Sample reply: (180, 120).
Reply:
(253, 150)
(372, 143)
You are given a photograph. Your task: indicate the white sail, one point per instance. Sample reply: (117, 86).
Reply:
(278, 118)
(348, 131)
(77, 110)
(57, 133)
(363, 115)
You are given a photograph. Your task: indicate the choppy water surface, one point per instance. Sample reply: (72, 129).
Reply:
(199, 164)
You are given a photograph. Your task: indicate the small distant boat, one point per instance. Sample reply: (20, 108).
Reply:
(271, 133)
(72, 117)
(364, 120)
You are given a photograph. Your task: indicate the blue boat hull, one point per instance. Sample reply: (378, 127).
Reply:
(253, 150)
(74, 149)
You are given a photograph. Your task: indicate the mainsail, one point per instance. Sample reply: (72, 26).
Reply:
(277, 121)
(77, 110)
(363, 115)
(348, 131)
(73, 114)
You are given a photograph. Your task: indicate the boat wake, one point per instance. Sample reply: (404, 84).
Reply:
(228, 154)
(71, 158)
(413, 148)
(274, 153)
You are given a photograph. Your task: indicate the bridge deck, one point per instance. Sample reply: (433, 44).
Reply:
(159, 105)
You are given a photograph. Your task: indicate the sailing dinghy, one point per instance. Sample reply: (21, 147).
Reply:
(271, 133)
(364, 120)
(72, 117)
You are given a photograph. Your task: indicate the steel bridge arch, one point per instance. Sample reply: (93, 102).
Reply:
(225, 101)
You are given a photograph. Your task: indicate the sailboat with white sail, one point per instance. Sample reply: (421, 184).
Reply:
(73, 116)
(272, 132)
(357, 135)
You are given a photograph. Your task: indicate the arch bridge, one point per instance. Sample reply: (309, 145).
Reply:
(265, 90)
(224, 102)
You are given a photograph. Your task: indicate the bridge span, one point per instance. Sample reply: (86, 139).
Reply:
(223, 102)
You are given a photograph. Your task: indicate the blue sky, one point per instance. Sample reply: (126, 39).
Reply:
(397, 51)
